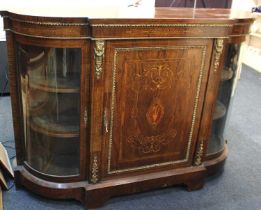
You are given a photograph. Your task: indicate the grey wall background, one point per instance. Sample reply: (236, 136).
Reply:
(4, 86)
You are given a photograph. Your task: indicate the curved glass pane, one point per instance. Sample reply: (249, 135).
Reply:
(50, 81)
(226, 88)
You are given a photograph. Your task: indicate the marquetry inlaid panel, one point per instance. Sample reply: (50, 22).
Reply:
(154, 97)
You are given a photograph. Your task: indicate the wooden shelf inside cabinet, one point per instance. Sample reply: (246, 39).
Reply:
(60, 85)
(256, 35)
(60, 165)
(41, 72)
(227, 74)
(39, 59)
(39, 101)
(217, 145)
(220, 111)
(47, 126)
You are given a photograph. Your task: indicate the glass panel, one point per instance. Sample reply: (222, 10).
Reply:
(226, 88)
(50, 81)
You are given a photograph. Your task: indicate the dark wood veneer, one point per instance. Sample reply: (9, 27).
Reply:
(148, 91)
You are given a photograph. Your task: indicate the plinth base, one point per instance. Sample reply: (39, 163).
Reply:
(95, 195)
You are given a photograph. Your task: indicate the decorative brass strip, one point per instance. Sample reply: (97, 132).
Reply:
(46, 23)
(218, 51)
(113, 105)
(95, 169)
(164, 25)
(99, 53)
(199, 154)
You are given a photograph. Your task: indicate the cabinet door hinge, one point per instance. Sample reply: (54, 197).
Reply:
(85, 117)
(105, 122)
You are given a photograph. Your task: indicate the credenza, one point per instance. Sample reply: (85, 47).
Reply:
(104, 106)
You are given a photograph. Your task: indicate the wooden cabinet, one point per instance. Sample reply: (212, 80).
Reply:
(153, 100)
(111, 106)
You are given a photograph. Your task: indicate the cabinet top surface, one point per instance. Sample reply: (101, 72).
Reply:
(128, 23)
(135, 13)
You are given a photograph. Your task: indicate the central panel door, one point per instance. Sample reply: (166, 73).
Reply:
(152, 103)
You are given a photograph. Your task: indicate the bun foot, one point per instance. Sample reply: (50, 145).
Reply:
(95, 199)
(194, 185)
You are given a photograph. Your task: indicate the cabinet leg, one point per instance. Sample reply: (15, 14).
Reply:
(194, 185)
(96, 199)
(17, 180)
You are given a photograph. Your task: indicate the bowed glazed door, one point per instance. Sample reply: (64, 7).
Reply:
(153, 98)
(53, 95)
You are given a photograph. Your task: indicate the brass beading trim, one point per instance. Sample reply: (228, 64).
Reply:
(163, 25)
(163, 38)
(45, 23)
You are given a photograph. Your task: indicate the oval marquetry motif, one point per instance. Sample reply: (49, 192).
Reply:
(155, 112)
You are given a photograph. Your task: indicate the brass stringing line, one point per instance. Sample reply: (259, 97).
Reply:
(163, 25)
(113, 105)
(197, 98)
(117, 38)
(46, 23)
(46, 37)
